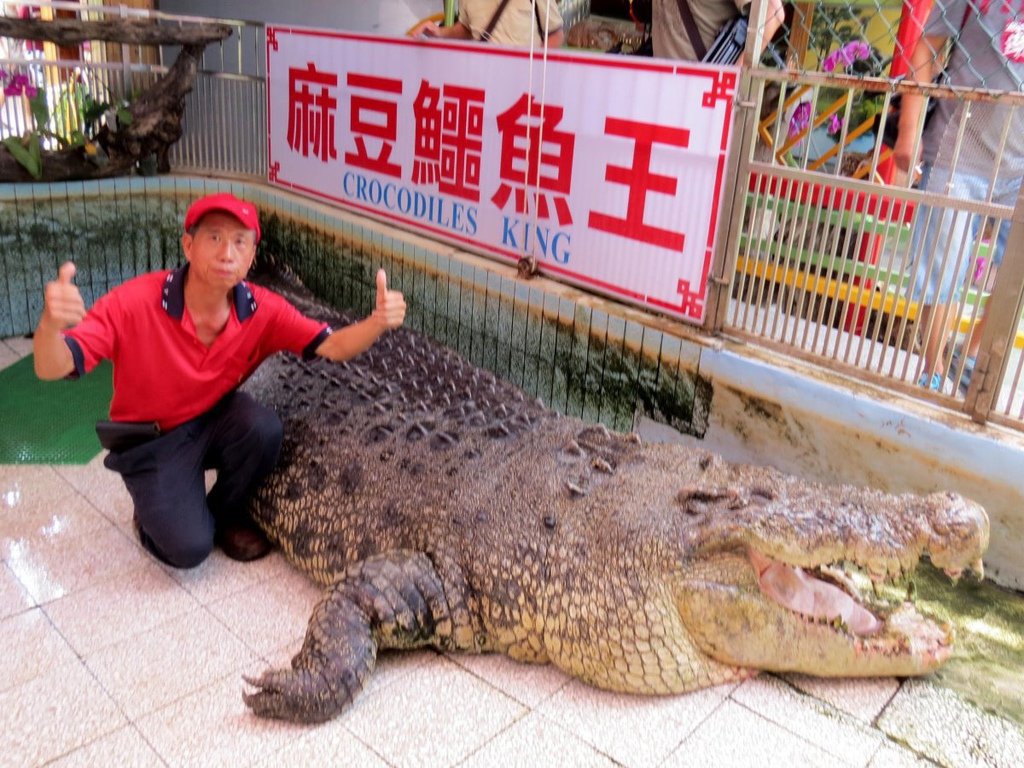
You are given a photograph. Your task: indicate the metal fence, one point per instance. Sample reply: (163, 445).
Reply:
(833, 254)
(228, 100)
(819, 257)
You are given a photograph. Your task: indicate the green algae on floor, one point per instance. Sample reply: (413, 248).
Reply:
(987, 665)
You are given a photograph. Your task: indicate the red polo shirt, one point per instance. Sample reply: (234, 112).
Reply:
(162, 372)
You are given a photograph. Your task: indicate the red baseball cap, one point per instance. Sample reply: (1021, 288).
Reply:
(244, 211)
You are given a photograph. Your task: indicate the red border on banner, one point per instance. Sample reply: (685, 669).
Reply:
(724, 82)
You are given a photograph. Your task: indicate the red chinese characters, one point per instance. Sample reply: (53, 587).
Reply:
(449, 139)
(373, 122)
(641, 180)
(311, 112)
(536, 157)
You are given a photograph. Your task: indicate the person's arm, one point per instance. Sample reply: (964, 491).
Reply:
(773, 18)
(925, 64)
(62, 308)
(556, 39)
(389, 312)
(428, 28)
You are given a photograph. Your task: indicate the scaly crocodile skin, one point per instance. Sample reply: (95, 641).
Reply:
(439, 506)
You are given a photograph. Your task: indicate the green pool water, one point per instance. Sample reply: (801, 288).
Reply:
(987, 666)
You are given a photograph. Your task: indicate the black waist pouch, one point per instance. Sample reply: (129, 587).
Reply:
(122, 435)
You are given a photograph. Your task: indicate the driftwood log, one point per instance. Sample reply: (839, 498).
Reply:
(156, 114)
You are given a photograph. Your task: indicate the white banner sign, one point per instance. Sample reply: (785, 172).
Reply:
(608, 169)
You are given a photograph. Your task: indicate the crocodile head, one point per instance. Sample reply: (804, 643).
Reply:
(786, 577)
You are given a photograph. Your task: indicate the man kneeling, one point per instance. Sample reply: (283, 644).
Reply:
(181, 342)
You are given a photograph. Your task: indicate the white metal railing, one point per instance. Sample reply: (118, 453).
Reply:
(821, 261)
(229, 86)
(820, 257)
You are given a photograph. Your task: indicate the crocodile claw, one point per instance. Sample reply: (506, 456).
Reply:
(291, 694)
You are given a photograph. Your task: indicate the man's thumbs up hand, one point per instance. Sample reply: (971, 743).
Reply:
(66, 273)
(62, 303)
(389, 310)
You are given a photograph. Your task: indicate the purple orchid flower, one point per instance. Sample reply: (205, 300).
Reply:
(843, 58)
(19, 84)
(835, 125)
(801, 118)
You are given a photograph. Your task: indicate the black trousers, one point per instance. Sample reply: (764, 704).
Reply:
(176, 517)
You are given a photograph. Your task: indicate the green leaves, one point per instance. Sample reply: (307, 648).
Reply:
(75, 121)
(26, 150)
(39, 108)
(91, 111)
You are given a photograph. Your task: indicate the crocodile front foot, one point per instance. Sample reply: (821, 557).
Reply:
(394, 600)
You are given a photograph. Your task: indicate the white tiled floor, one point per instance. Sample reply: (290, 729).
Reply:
(109, 658)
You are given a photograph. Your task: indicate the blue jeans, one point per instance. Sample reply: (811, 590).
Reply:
(945, 236)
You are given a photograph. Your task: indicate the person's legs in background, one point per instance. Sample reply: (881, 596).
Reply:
(934, 320)
(940, 251)
(961, 367)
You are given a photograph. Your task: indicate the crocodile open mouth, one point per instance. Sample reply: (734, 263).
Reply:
(829, 596)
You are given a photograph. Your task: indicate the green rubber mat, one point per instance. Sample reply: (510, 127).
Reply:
(51, 422)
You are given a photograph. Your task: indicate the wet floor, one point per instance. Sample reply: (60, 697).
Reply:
(112, 658)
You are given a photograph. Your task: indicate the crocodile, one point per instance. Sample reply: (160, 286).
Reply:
(442, 507)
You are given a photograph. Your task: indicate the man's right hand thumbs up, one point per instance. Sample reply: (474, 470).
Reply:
(66, 273)
(62, 303)
(390, 306)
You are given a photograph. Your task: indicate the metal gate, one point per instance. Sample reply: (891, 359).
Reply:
(827, 254)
